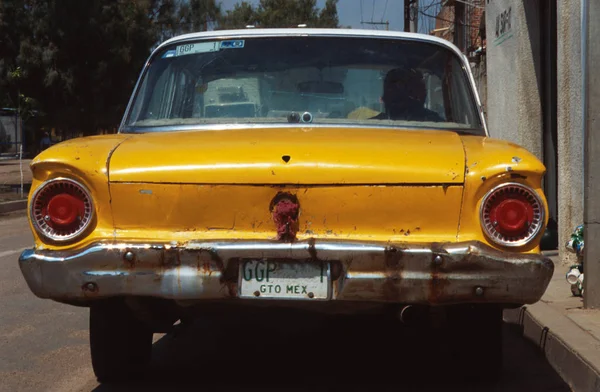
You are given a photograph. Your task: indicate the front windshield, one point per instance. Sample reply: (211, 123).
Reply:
(345, 81)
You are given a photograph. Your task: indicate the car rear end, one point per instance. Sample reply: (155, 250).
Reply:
(302, 199)
(376, 230)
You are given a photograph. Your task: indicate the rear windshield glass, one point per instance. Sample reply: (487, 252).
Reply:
(320, 80)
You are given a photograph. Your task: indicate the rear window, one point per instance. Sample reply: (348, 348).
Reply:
(319, 80)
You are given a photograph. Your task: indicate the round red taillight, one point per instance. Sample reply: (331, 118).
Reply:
(64, 209)
(61, 209)
(512, 214)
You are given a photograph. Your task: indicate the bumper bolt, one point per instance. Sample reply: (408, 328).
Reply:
(90, 286)
(438, 260)
(478, 291)
(311, 295)
(129, 256)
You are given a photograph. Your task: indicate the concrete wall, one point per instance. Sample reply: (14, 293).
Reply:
(570, 123)
(515, 93)
(592, 161)
(514, 109)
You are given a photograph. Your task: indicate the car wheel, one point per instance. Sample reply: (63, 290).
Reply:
(475, 335)
(120, 344)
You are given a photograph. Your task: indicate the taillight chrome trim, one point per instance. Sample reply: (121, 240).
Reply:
(40, 225)
(534, 228)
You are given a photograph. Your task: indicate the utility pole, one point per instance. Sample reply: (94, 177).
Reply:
(459, 25)
(407, 15)
(411, 15)
(591, 121)
(414, 16)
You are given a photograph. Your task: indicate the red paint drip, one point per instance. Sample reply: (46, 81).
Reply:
(285, 216)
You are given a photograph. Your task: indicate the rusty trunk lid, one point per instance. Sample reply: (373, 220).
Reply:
(357, 184)
(294, 155)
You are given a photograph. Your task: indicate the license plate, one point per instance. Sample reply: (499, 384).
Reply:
(284, 280)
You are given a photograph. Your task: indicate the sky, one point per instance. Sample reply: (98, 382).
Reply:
(351, 12)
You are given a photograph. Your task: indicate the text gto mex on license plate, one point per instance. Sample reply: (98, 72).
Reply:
(274, 279)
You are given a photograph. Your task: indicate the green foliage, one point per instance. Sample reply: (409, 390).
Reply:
(281, 13)
(77, 61)
(74, 63)
(328, 16)
(199, 14)
(242, 15)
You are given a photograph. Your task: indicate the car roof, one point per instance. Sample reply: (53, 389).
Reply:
(301, 31)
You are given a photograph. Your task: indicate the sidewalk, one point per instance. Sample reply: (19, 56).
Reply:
(567, 334)
(10, 179)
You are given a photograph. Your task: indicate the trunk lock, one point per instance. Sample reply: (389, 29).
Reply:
(285, 209)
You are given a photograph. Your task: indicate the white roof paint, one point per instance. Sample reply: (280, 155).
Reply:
(301, 31)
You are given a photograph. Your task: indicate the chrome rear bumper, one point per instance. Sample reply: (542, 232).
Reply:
(454, 273)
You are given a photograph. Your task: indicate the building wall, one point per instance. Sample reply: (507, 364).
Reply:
(444, 25)
(514, 109)
(475, 42)
(516, 92)
(570, 122)
(473, 18)
(514, 76)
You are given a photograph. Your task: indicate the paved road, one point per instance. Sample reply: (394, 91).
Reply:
(44, 347)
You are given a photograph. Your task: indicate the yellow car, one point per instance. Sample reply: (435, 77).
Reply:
(325, 169)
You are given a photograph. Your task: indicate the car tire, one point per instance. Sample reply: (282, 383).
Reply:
(475, 335)
(120, 344)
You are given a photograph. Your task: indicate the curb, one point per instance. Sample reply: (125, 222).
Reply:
(11, 206)
(570, 350)
(550, 253)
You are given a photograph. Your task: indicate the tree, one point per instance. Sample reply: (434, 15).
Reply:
(13, 26)
(198, 15)
(281, 13)
(242, 15)
(85, 55)
(80, 60)
(328, 16)
(76, 62)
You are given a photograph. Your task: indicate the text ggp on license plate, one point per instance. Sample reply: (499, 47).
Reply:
(284, 280)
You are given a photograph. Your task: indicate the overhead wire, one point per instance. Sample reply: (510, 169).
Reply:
(446, 20)
(418, 15)
(373, 11)
(471, 4)
(384, 10)
(432, 4)
(361, 14)
(425, 20)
